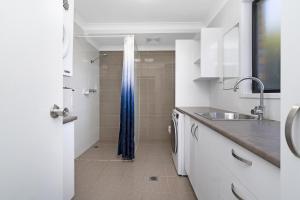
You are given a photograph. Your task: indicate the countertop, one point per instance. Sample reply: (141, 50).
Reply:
(69, 119)
(259, 137)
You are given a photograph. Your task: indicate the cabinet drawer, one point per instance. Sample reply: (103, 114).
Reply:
(258, 175)
(232, 189)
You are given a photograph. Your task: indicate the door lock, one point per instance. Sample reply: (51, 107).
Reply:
(56, 111)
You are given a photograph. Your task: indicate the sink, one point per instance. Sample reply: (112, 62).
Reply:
(226, 116)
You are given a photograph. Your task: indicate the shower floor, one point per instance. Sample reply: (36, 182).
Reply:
(101, 175)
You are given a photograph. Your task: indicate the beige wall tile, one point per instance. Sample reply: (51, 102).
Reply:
(156, 90)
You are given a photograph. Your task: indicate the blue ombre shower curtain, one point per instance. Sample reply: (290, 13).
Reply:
(126, 135)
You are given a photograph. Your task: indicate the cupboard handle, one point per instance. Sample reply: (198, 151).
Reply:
(289, 130)
(247, 162)
(192, 127)
(67, 71)
(196, 129)
(235, 193)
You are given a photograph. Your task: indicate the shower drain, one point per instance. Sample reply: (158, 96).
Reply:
(153, 178)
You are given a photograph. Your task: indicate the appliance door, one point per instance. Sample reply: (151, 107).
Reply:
(174, 134)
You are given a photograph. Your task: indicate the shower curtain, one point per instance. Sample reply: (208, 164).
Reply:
(126, 146)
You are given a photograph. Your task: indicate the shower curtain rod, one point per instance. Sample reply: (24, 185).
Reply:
(99, 36)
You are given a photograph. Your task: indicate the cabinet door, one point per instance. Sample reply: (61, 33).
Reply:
(290, 70)
(193, 156)
(187, 146)
(207, 175)
(210, 52)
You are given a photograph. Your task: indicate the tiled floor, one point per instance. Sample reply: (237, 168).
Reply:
(101, 175)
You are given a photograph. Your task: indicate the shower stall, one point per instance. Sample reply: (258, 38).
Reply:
(154, 95)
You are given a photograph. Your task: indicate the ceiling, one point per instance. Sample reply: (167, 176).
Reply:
(164, 20)
(137, 11)
(161, 41)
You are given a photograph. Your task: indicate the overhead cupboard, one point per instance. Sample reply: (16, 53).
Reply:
(206, 59)
(210, 53)
(215, 54)
(221, 169)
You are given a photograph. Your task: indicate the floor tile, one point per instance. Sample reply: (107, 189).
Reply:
(101, 175)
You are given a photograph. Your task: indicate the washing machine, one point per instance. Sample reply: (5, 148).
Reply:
(68, 26)
(177, 141)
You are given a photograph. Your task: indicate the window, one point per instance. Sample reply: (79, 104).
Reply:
(266, 44)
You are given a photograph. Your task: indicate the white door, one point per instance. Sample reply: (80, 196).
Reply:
(30, 83)
(290, 69)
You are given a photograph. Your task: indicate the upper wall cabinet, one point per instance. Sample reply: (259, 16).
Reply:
(210, 58)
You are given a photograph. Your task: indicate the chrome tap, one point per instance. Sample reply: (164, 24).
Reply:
(258, 110)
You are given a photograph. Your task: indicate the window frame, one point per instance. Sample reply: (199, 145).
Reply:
(254, 86)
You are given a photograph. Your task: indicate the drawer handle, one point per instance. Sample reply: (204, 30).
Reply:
(289, 132)
(196, 129)
(235, 193)
(67, 71)
(247, 162)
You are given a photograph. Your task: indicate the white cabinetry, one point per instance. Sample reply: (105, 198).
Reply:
(231, 188)
(187, 146)
(210, 64)
(193, 156)
(200, 59)
(215, 173)
(261, 177)
(208, 183)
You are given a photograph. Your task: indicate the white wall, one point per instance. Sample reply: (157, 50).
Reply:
(85, 75)
(189, 92)
(229, 100)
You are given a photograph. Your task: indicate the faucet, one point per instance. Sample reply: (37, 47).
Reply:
(258, 110)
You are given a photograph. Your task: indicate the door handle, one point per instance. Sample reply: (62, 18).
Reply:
(56, 111)
(289, 130)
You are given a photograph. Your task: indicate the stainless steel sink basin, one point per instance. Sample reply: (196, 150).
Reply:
(226, 116)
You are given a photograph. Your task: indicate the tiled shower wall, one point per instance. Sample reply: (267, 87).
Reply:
(110, 90)
(156, 79)
(155, 73)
